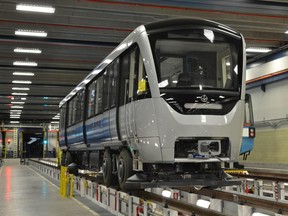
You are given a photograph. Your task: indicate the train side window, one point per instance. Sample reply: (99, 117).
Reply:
(106, 89)
(99, 95)
(80, 105)
(124, 79)
(113, 77)
(91, 99)
(133, 76)
(71, 111)
(143, 90)
(62, 117)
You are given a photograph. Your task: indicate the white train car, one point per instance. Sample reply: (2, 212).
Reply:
(165, 108)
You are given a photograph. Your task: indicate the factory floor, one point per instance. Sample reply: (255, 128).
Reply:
(23, 192)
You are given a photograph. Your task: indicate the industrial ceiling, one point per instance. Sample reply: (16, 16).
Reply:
(82, 32)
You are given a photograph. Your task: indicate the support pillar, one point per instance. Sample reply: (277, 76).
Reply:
(216, 204)
(244, 210)
(192, 198)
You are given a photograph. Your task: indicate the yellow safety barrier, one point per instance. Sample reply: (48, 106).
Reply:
(71, 182)
(63, 181)
(66, 182)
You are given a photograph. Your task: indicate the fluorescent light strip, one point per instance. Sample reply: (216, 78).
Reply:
(17, 102)
(17, 107)
(20, 88)
(23, 98)
(14, 117)
(19, 93)
(23, 74)
(21, 82)
(14, 122)
(23, 63)
(258, 50)
(35, 8)
(55, 122)
(15, 110)
(26, 50)
(32, 33)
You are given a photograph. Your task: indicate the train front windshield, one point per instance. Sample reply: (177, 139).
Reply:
(198, 65)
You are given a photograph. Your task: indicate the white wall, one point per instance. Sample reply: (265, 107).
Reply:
(267, 68)
(271, 104)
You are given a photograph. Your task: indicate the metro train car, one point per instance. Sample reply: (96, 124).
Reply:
(164, 108)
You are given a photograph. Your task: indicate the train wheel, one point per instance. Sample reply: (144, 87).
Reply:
(107, 168)
(124, 167)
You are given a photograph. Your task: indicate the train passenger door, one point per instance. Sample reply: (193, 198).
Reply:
(128, 85)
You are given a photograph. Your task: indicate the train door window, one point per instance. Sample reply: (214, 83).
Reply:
(143, 91)
(80, 105)
(69, 113)
(113, 77)
(62, 117)
(91, 99)
(72, 111)
(248, 115)
(124, 79)
(99, 95)
(133, 76)
(105, 97)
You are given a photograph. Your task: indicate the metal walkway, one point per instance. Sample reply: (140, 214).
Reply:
(24, 192)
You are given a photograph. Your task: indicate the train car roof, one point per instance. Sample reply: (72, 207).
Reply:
(150, 27)
(184, 22)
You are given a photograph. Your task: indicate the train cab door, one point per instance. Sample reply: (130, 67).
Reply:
(128, 85)
(248, 129)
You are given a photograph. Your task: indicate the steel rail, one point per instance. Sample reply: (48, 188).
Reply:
(263, 176)
(177, 205)
(241, 199)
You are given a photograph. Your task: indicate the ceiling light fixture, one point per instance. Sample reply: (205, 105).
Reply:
(17, 102)
(286, 32)
(17, 107)
(35, 8)
(21, 82)
(14, 122)
(23, 73)
(258, 50)
(54, 122)
(27, 50)
(20, 88)
(14, 117)
(23, 98)
(19, 93)
(15, 110)
(32, 33)
(25, 63)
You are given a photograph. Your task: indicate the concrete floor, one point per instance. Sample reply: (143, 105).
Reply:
(24, 193)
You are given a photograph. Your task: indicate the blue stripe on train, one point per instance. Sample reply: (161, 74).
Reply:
(98, 131)
(75, 135)
(95, 132)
